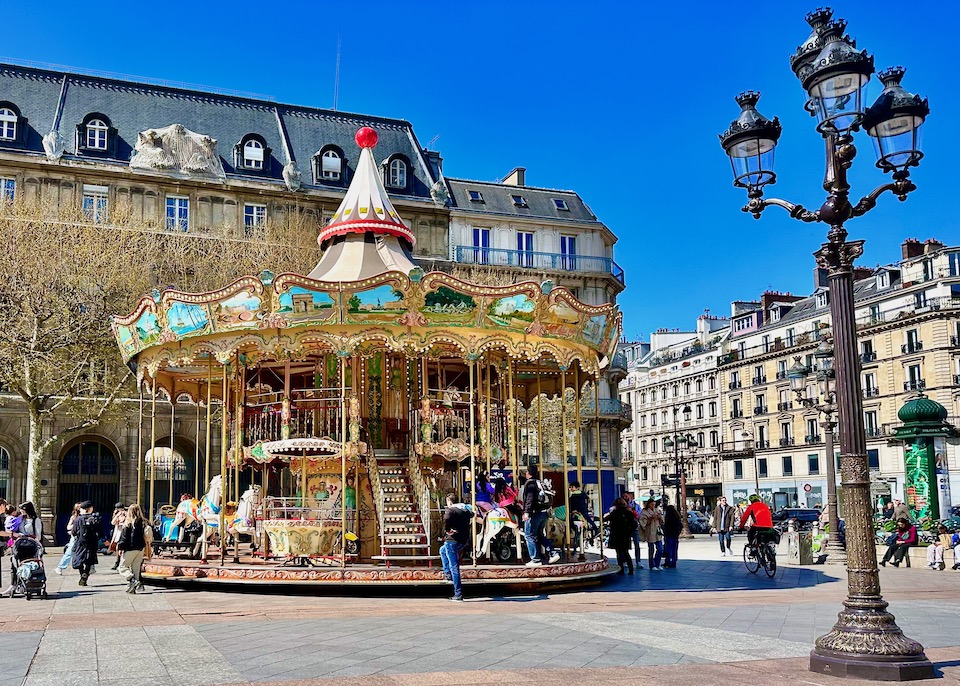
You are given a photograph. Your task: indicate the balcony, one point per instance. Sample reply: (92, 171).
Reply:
(914, 385)
(812, 438)
(911, 347)
(784, 407)
(786, 442)
(736, 414)
(762, 409)
(732, 450)
(781, 375)
(871, 392)
(528, 259)
(874, 432)
(868, 357)
(733, 385)
(757, 380)
(610, 408)
(763, 445)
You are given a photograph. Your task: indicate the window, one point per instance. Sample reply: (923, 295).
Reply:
(701, 439)
(715, 469)
(397, 173)
(568, 248)
(475, 196)
(913, 341)
(762, 467)
(823, 298)
(765, 344)
(97, 134)
(178, 213)
(870, 424)
(953, 263)
(813, 464)
(714, 439)
(253, 154)
(737, 410)
(791, 337)
(254, 217)
(643, 398)
(787, 465)
(712, 409)
(653, 445)
(774, 314)
(663, 393)
(519, 200)
(8, 124)
(95, 203)
(663, 417)
(561, 204)
(653, 419)
(743, 323)
(813, 430)
(676, 390)
(481, 243)
(781, 369)
(699, 386)
(643, 421)
(700, 411)
(643, 447)
(920, 299)
(331, 165)
(703, 470)
(759, 403)
(914, 378)
(883, 280)
(867, 353)
(738, 469)
(643, 474)
(786, 433)
(762, 437)
(870, 389)
(686, 388)
(873, 459)
(734, 380)
(4, 472)
(525, 246)
(759, 374)
(712, 382)
(8, 189)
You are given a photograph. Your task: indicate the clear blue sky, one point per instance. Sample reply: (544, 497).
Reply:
(621, 102)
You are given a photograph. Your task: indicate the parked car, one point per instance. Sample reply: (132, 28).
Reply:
(698, 522)
(802, 518)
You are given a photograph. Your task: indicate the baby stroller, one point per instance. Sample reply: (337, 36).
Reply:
(30, 578)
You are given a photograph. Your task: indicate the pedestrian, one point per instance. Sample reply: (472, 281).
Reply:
(535, 520)
(622, 525)
(635, 508)
(672, 526)
(134, 545)
(25, 524)
(68, 549)
(457, 520)
(117, 520)
(955, 544)
(580, 506)
(900, 542)
(86, 531)
(888, 510)
(935, 549)
(724, 520)
(650, 522)
(901, 511)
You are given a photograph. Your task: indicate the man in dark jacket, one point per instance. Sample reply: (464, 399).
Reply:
(457, 521)
(86, 531)
(579, 505)
(724, 521)
(672, 526)
(535, 519)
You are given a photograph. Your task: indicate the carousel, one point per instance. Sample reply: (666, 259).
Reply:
(352, 399)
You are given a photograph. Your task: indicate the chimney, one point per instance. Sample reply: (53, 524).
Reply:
(435, 161)
(515, 177)
(820, 278)
(770, 297)
(911, 248)
(932, 245)
(862, 273)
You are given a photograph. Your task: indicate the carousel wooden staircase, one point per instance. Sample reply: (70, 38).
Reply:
(403, 537)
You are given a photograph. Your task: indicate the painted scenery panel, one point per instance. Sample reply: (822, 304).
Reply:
(305, 304)
(237, 311)
(594, 328)
(449, 307)
(128, 343)
(381, 304)
(515, 311)
(561, 320)
(186, 318)
(148, 329)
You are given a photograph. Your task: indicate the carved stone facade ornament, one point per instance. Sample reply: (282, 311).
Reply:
(439, 194)
(177, 149)
(53, 145)
(291, 176)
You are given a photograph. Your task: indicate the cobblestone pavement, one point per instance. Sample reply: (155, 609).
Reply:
(706, 622)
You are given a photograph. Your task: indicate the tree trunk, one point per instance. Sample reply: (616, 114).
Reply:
(35, 459)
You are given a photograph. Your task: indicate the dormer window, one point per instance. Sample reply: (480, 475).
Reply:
(823, 298)
(774, 314)
(397, 173)
(475, 196)
(331, 165)
(8, 124)
(252, 154)
(96, 136)
(883, 280)
(519, 200)
(561, 204)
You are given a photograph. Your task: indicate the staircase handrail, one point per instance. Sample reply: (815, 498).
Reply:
(374, 471)
(421, 492)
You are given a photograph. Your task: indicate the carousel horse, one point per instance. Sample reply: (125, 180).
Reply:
(243, 520)
(494, 524)
(185, 515)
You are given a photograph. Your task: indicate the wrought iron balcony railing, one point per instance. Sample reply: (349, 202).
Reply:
(609, 407)
(868, 357)
(911, 347)
(529, 259)
(783, 407)
(786, 442)
(812, 438)
(914, 385)
(761, 409)
(871, 392)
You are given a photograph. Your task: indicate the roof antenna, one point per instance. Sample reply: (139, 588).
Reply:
(336, 82)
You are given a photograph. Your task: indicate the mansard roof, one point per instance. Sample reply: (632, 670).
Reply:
(50, 99)
(498, 200)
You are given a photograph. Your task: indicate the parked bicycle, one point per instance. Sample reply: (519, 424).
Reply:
(762, 553)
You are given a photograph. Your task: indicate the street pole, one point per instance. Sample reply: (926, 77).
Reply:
(836, 553)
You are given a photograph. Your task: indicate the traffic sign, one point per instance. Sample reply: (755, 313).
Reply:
(807, 488)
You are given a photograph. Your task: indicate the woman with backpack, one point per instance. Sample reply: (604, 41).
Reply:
(134, 544)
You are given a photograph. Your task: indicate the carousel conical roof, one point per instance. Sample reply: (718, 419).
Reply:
(366, 236)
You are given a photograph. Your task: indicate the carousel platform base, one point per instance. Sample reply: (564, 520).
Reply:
(255, 575)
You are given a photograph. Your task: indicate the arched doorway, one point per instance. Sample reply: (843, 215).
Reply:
(168, 487)
(4, 473)
(89, 470)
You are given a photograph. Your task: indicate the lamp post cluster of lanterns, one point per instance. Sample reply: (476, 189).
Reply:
(866, 641)
(678, 443)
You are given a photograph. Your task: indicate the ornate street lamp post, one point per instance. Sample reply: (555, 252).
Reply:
(866, 641)
(798, 375)
(678, 442)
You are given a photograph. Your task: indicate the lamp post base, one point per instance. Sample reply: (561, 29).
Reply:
(835, 552)
(874, 667)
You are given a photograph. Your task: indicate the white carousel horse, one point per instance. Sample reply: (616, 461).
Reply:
(494, 523)
(208, 509)
(243, 520)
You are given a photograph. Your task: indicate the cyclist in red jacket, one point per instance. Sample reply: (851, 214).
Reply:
(762, 519)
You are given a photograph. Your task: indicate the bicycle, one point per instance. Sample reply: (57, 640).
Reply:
(762, 554)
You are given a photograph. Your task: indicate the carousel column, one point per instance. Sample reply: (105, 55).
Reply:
(343, 453)
(224, 419)
(579, 400)
(206, 457)
(140, 455)
(173, 426)
(471, 361)
(196, 456)
(539, 425)
(563, 452)
(512, 419)
(263, 518)
(238, 431)
(596, 430)
(485, 425)
(153, 442)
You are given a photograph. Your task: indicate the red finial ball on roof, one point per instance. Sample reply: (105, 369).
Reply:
(366, 137)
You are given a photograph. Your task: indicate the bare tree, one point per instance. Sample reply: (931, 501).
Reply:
(62, 277)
